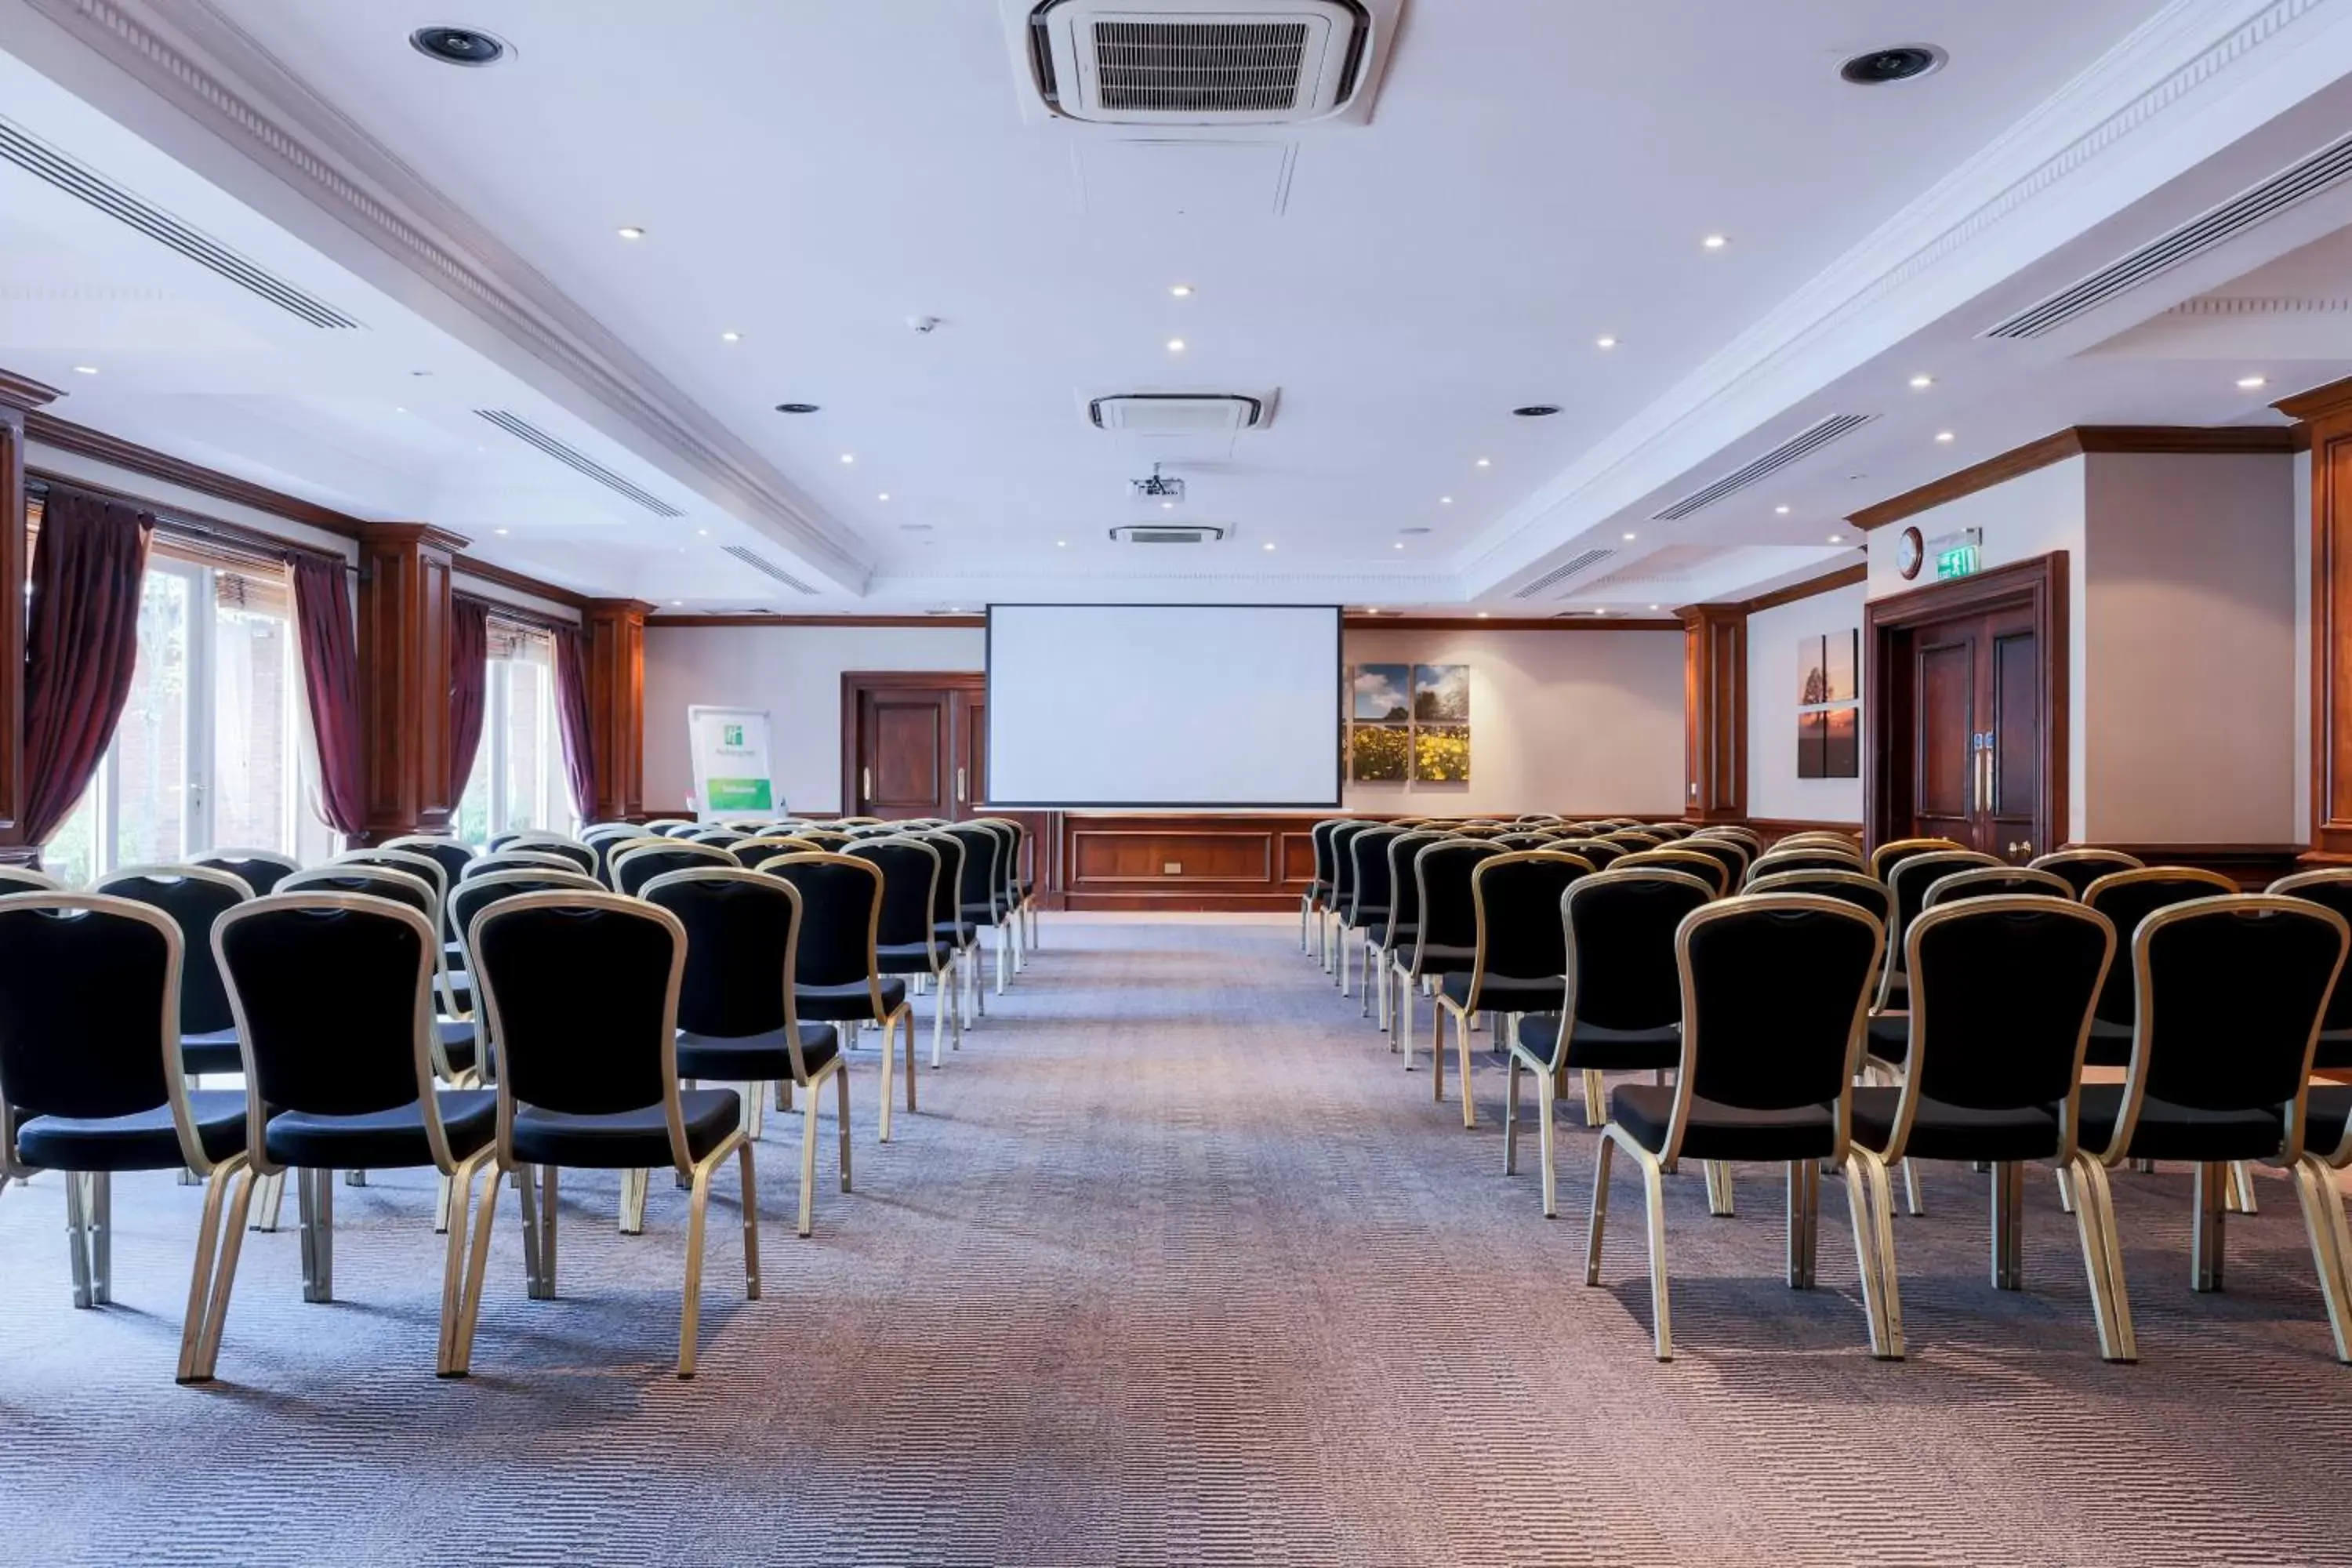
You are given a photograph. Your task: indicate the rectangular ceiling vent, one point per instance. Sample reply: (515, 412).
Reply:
(1797, 447)
(2289, 187)
(1167, 533)
(760, 563)
(1180, 413)
(579, 462)
(1202, 62)
(1563, 571)
(45, 163)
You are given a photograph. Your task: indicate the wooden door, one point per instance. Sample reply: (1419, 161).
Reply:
(1976, 705)
(1945, 774)
(2009, 714)
(912, 744)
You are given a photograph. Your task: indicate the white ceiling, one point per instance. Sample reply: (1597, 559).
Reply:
(810, 175)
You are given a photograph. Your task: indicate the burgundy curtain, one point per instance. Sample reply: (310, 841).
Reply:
(330, 675)
(469, 672)
(81, 641)
(571, 718)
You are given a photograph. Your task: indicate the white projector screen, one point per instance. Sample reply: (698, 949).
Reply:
(1163, 705)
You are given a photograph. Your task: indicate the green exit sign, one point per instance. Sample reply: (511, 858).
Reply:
(1960, 562)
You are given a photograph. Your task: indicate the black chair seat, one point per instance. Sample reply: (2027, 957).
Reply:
(457, 1041)
(144, 1141)
(1318, 891)
(907, 957)
(382, 1139)
(2328, 1113)
(1724, 1131)
(2167, 1131)
(960, 933)
(843, 1003)
(1438, 958)
(1890, 1035)
(626, 1139)
(212, 1051)
(979, 914)
(1592, 1047)
(1941, 1132)
(753, 1058)
(1364, 915)
(1502, 994)
(2110, 1045)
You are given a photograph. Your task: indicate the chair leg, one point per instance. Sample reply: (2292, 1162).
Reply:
(2207, 1238)
(441, 1204)
(2242, 1187)
(2322, 1217)
(755, 1105)
(314, 1189)
(355, 1178)
(270, 1200)
(1001, 954)
(77, 1237)
(749, 1177)
(633, 1187)
(783, 1095)
(1511, 1119)
(1870, 1201)
(2065, 1189)
(841, 1119)
(2103, 1261)
(1598, 1219)
(1718, 1189)
(469, 1302)
(1462, 1054)
(459, 1184)
(1596, 1099)
(2009, 1226)
(1436, 1052)
(1655, 1197)
(905, 1020)
(938, 1028)
(808, 1162)
(543, 1288)
(889, 1087)
(1401, 1037)
(214, 1268)
(691, 1312)
(1805, 1212)
(1913, 1203)
(1547, 1106)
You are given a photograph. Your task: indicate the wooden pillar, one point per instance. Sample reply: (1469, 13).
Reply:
(404, 643)
(2327, 415)
(1714, 712)
(616, 632)
(17, 395)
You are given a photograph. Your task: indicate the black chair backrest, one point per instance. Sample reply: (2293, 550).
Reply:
(980, 885)
(1887, 856)
(260, 870)
(724, 838)
(841, 906)
(2128, 898)
(517, 861)
(476, 894)
(2001, 993)
(1774, 862)
(581, 990)
(1404, 888)
(2083, 866)
(752, 853)
(333, 996)
(372, 881)
(1320, 836)
(1600, 851)
(1008, 859)
(1617, 945)
(910, 885)
(1911, 876)
(2232, 990)
(1706, 868)
(2330, 889)
(1516, 899)
(88, 1006)
(20, 880)
(452, 857)
(194, 897)
(1995, 882)
(633, 868)
(741, 930)
(1729, 852)
(1343, 862)
(1626, 838)
(832, 838)
(1755, 1037)
(1449, 916)
(1859, 888)
(424, 867)
(947, 888)
(584, 857)
(1368, 879)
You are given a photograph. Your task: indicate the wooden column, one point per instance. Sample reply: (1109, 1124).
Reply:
(2326, 413)
(1714, 712)
(616, 632)
(17, 395)
(404, 642)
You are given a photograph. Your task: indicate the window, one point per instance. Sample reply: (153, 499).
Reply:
(517, 780)
(205, 755)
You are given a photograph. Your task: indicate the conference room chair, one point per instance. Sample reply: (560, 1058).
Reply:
(1447, 941)
(1518, 959)
(980, 897)
(1995, 1066)
(2330, 889)
(194, 897)
(588, 1076)
(2083, 866)
(1367, 901)
(1621, 1006)
(1995, 882)
(752, 853)
(332, 996)
(958, 937)
(1671, 829)
(634, 865)
(857, 821)
(837, 974)
(2231, 993)
(1343, 893)
(603, 838)
(452, 857)
(1520, 838)
(1886, 1035)
(1909, 880)
(832, 838)
(1748, 838)
(1010, 891)
(1772, 862)
(91, 1084)
(1020, 889)
(735, 1017)
(482, 865)
(724, 838)
(1761, 1083)
(1313, 901)
(1394, 933)
(259, 869)
(669, 827)
(1887, 856)
(24, 879)
(539, 841)
(1733, 854)
(2128, 898)
(905, 934)
(454, 1030)
(1600, 851)
(1706, 867)
(1629, 839)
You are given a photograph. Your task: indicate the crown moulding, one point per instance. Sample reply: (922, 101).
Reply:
(2075, 442)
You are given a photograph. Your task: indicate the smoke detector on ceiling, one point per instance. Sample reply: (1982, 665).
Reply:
(1201, 62)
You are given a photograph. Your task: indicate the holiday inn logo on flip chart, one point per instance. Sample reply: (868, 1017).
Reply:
(730, 760)
(731, 734)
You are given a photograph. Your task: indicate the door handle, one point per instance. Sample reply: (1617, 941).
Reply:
(958, 786)
(865, 785)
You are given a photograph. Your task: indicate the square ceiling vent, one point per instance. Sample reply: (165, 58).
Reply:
(1180, 413)
(1204, 62)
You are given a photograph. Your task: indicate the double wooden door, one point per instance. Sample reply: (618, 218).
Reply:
(914, 742)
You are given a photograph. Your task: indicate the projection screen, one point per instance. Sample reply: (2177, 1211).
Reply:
(1163, 705)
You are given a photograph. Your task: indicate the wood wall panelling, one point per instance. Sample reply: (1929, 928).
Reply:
(2327, 414)
(405, 574)
(19, 399)
(616, 657)
(1714, 712)
(1210, 862)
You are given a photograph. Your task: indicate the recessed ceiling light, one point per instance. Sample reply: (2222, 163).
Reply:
(1599, 612)
(1716, 241)
(1653, 606)
(498, 531)
(1536, 410)
(1629, 537)
(1181, 290)
(1780, 511)
(1175, 345)
(678, 600)
(1485, 463)
(849, 457)
(85, 370)
(1605, 342)
(1482, 615)
(884, 496)
(1943, 435)
(1399, 544)
(1061, 544)
(631, 231)
(731, 337)
(1837, 538)
(1922, 383)
(397, 408)
(1168, 506)
(458, 46)
(796, 407)
(1445, 501)
(2251, 382)
(1267, 546)
(1900, 62)
(703, 532)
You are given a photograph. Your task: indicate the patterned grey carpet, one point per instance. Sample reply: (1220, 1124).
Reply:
(1177, 1266)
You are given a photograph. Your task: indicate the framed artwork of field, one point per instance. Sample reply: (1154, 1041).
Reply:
(1408, 721)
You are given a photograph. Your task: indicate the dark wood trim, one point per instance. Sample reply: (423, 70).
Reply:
(2319, 402)
(2039, 584)
(1714, 712)
(1499, 624)
(22, 394)
(745, 620)
(522, 614)
(1844, 577)
(195, 525)
(2075, 442)
(482, 571)
(403, 649)
(2327, 413)
(615, 654)
(18, 397)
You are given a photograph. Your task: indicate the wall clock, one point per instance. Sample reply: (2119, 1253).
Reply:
(1910, 550)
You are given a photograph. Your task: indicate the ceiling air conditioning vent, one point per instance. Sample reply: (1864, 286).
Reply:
(1167, 533)
(1804, 444)
(1563, 571)
(2289, 187)
(760, 563)
(578, 461)
(1180, 413)
(1205, 62)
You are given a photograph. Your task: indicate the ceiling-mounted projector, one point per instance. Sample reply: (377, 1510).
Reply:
(1158, 488)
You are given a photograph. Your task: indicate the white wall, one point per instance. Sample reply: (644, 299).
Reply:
(1570, 720)
(1583, 720)
(1775, 793)
(793, 672)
